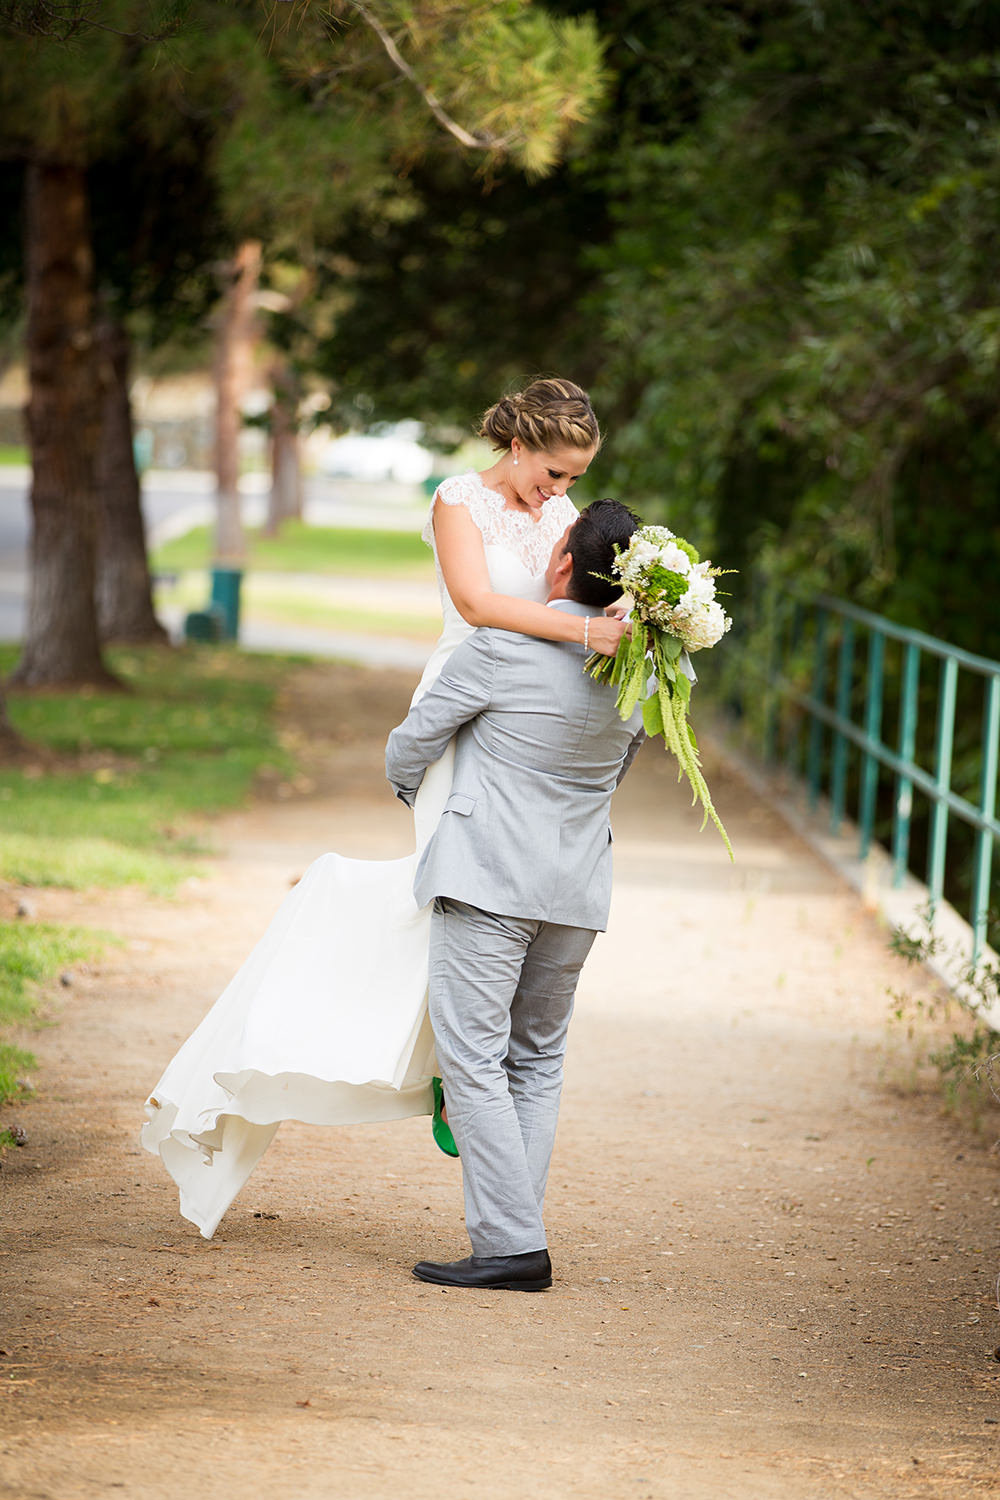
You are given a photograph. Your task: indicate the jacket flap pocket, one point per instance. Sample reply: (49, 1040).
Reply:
(458, 802)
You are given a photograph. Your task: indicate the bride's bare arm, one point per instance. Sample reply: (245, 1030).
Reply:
(463, 563)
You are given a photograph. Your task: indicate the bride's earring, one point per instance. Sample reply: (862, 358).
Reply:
(515, 463)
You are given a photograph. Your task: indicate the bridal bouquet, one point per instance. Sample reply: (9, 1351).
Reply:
(674, 610)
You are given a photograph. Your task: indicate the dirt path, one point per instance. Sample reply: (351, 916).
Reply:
(774, 1272)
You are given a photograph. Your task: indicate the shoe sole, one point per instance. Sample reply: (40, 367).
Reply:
(541, 1285)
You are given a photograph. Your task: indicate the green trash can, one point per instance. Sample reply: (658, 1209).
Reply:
(204, 625)
(226, 598)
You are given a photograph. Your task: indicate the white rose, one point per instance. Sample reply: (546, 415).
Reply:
(676, 560)
(643, 554)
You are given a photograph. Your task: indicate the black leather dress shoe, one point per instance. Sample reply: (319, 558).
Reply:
(510, 1273)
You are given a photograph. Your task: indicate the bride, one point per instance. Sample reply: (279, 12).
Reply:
(326, 1021)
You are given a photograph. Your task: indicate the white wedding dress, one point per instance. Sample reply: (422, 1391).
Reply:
(326, 1022)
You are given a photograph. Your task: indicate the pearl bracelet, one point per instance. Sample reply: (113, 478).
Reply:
(586, 632)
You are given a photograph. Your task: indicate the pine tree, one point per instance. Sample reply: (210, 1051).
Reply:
(302, 111)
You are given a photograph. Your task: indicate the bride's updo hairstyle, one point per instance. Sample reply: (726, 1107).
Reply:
(547, 415)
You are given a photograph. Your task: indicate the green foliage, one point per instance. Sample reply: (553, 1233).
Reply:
(30, 955)
(203, 122)
(772, 261)
(968, 1062)
(650, 653)
(801, 292)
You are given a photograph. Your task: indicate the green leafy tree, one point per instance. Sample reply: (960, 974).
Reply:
(304, 110)
(492, 279)
(452, 107)
(772, 259)
(800, 300)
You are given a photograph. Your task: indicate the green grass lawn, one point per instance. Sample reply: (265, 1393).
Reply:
(187, 738)
(293, 609)
(13, 453)
(31, 953)
(309, 549)
(121, 803)
(261, 601)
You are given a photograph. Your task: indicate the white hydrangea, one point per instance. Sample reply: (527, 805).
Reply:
(700, 590)
(701, 625)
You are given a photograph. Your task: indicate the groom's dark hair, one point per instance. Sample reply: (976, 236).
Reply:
(603, 526)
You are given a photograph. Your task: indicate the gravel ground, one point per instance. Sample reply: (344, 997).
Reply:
(774, 1262)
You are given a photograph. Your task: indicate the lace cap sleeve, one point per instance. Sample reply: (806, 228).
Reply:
(460, 489)
(566, 513)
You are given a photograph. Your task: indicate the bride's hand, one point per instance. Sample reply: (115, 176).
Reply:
(605, 633)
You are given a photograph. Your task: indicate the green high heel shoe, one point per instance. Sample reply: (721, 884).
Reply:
(440, 1129)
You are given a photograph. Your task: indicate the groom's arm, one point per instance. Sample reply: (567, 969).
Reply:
(462, 691)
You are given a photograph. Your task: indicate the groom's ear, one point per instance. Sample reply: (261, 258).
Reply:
(564, 567)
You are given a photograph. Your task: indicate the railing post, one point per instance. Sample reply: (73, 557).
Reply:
(983, 856)
(944, 741)
(838, 773)
(873, 731)
(907, 744)
(772, 699)
(794, 735)
(814, 762)
(806, 642)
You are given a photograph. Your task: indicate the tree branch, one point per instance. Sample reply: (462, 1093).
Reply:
(476, 142)
(65, 19)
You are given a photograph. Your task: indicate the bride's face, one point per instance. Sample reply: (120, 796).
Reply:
(539, 475)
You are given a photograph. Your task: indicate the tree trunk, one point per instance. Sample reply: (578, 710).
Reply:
(233, 368)
(124, 589)
(285, 499)
(61, 645)
(10, 741)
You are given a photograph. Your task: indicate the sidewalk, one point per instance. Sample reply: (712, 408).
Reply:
(774, 1259)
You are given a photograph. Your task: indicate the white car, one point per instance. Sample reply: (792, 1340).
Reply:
(387, 451)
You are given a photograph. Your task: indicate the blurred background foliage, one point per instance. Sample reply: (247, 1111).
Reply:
(773, 260)
(762, 232)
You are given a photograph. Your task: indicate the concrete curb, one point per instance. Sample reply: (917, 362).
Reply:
(901, 907)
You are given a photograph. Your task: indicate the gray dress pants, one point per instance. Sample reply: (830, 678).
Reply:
(500, 1000)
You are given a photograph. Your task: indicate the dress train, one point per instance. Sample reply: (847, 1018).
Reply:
(326, 1022)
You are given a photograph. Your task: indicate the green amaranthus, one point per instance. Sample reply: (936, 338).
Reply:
(650, 651)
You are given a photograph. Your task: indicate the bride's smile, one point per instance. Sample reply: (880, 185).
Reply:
(528, 478)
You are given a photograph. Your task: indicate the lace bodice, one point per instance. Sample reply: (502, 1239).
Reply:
(517, 549)
(530, 540)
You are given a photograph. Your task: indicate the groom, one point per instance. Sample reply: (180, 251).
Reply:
(519, 871)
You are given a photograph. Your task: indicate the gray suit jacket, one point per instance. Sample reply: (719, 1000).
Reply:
(540, 748)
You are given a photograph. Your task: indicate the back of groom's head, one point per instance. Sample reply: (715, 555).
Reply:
(592, 539)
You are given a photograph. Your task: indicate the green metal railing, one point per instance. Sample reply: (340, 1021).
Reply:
(842, 710)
